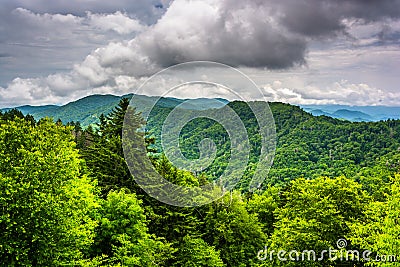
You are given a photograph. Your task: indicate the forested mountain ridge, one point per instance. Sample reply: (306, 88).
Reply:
(307, 146)
(88, 109)
(27, 109)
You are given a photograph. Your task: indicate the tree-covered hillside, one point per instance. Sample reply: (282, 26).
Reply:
(87, 110)
(307, 146)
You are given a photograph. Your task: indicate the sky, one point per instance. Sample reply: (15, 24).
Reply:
(296, 51)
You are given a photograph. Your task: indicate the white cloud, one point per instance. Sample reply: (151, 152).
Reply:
(69, 24)
(342, 92)
(118, 22)
(45, 19)
(23, 91)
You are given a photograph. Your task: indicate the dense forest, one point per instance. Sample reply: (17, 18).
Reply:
(68, 198)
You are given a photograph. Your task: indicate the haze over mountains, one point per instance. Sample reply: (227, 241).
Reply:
(354, 113)
(88, 109)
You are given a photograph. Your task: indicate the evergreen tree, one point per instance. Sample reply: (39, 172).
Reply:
(104, 155)
(115, 120)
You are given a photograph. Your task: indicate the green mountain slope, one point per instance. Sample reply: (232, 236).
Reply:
(27, 109)
(307, 146)
(88, 109)
(352, 115)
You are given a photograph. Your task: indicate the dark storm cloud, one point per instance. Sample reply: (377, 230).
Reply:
(325, 17)
(387, 35)
(311, 18)
(315, 18)
(369, 10)
(232, 33)
(255, 33)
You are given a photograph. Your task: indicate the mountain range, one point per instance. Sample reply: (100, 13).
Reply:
(88, 109)
(354, 113)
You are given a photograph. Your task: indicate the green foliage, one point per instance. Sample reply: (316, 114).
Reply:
(264, 206)
(316, 214)
(233, 231)
(12, 114)
(173, 174)
(46, 201)
(170, 222)
(195, 252)
(123, 235)
(104, 159)
(376, 179)
(380, 231)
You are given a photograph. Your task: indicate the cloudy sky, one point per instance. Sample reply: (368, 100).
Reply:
(296, 51)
